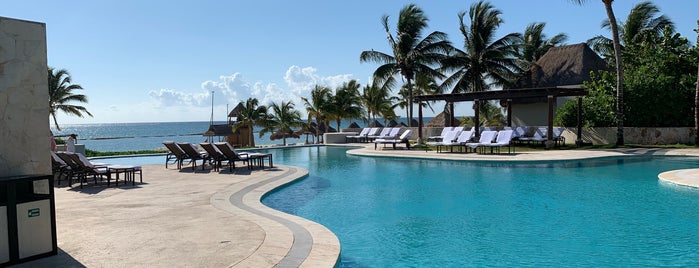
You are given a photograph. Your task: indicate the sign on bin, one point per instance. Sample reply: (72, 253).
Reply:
(34, 212)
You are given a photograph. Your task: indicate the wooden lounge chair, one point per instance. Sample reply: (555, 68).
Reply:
(82, 168)
(216, 158)
(402, 139)
(176, 154)
(233, 156)
(60, 168)
(193, 154)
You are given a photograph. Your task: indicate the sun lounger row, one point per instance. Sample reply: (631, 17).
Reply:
(214, 153)
(75, 166)
(371, 134)
(404, 138)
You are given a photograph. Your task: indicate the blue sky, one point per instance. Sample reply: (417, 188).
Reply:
(157, 61)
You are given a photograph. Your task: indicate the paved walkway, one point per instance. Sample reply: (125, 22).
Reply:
(211, 219)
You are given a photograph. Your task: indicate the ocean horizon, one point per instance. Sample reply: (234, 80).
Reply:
(120, 137)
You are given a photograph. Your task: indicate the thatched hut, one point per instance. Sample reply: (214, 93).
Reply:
(375, 123)
(564, 66)
(354, 125)
(441, 120)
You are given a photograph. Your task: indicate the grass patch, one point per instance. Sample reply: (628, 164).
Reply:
(91, 153)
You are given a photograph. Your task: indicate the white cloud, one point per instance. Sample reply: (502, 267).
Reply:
(232, 89)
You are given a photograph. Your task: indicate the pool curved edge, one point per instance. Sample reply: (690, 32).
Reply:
(290, 241)
(685, 177)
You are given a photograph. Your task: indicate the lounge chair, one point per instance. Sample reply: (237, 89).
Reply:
(193, 154)
(176, 154)
(504, 138)
(384, 132)
(487, 137)
(402, 139)
(83, 168)
(392, 134)
(463, 138)
(216, 158)
(358, 137)
(445, 130)
(372, 132)
(60, 168)
(233, 156)
(448, 138)
(538, 135)
(558, 136)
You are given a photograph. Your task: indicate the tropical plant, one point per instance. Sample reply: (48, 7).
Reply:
(485, 62)
(489, 115)
(346, 103)
(619, 69)
(318, 107)
(643, 25)
(281, 118)
(696, 91)
(533, 43)
(61, 95)
(412, 54)
(251, 115)
(377, 101)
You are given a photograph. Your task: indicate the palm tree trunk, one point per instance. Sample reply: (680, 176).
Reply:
(410, 103)
(56, 123)
(251, 136)
(696, 105)
(619, 74)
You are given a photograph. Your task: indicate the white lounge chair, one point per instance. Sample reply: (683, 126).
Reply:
(384, 132)
(448, 137)
(445, 130)
(363, 134)
(463, 138)
(392, 134)
(402, 139)
(504, 138)
(539, 135)
(487, 137)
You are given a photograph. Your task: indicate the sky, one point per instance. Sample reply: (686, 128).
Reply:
(160, 61)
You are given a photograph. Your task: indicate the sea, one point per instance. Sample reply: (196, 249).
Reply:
(121, 137)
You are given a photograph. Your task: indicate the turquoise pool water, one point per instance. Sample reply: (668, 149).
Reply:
(419, 213)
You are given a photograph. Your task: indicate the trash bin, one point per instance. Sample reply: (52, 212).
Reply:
(27, 218)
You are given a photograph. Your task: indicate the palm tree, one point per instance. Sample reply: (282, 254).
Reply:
(696, 94)
(411, 53)
(318, 106)
(619, 71)
(376, 100)
(282, 117)
(534, 44)
(251, 115)
(346, 102)
(641, 26)
(61, 95)
(485, 62)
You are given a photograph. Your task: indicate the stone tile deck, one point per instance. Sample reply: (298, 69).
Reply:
(211, 219)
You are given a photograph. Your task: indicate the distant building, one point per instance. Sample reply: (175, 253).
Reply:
(565, 67)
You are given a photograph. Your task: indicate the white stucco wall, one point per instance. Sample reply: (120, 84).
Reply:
(535, 114)
(24, 125)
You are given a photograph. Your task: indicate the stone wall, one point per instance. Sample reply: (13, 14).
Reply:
(24, 115)
(635, 135)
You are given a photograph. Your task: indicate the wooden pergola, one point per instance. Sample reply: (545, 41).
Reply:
(550, 93)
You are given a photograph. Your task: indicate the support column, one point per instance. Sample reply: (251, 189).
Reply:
(451, 113)
(419, 122)
(579, 140)
(476, 118)
(509, 112)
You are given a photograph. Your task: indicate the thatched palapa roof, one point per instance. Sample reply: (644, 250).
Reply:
(354, 125)
(236, 111)
(562, 66)
(220, 130)
(441, 120)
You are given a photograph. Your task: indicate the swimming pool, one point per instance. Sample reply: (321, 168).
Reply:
(398, 212)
